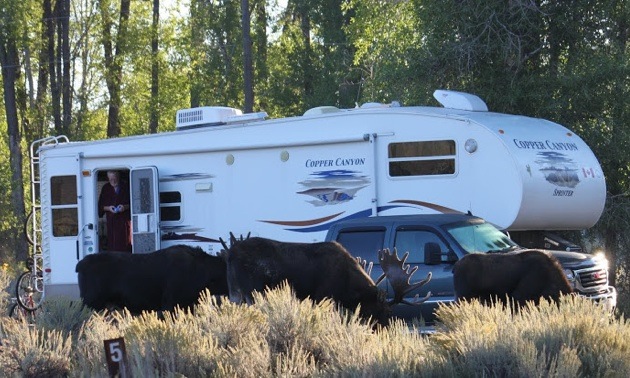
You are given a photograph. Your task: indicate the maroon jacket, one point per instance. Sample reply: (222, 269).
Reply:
(118, 224)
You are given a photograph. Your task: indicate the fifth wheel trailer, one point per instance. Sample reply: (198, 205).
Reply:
(290, 179)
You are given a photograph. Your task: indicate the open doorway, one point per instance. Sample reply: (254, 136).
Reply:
(114, 220)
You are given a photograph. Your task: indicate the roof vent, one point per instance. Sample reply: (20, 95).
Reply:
(247, 117)
(373, 105)
(204, 116)
(460, 100)
(321, 110)
(214, 116)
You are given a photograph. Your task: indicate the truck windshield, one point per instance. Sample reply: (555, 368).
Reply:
(480, 237)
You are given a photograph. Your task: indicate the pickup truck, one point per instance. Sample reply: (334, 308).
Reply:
(456, 235)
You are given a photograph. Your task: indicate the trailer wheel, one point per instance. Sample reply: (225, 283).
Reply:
(18, 312)
(28, 228)
(29, 290)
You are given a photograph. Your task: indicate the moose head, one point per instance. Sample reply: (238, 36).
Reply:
(318, 271)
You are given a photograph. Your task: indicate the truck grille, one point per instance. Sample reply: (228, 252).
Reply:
(591, 279)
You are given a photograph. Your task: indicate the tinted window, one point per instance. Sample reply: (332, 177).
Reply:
(63, 192)
(413, 241)
(422, 149)
(364, 244)
(480, 237)
(170, 206)
(426, 158)
(422, 167)
(170, 197)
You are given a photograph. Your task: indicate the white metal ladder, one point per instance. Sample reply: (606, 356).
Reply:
(35, 229)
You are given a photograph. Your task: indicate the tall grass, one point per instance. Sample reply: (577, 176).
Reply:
(576, 338)
(6, 285)
(281, 336)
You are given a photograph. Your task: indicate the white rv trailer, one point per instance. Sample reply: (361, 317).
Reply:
(222, 171)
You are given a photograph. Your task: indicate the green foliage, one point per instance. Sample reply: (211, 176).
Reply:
(174, 88)
(14, 20)
(10, 228)
(492, 48)
(309, 63)
(216, 63)
(5, 286)
(384, 37)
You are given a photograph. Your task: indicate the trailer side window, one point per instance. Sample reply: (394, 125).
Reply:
(422, 158)
(65, 218)
(170, 206)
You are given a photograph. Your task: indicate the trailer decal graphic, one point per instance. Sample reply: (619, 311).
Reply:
(190, 236)
(432, 206)
(323, 227)
(558, 169)
(321, 224)
(304, 222)
(185, 233)
(186, 176)
(333, 187)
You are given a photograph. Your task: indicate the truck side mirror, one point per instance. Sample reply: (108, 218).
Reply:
(432, 254)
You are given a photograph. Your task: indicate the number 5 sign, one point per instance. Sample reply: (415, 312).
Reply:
(116, 356)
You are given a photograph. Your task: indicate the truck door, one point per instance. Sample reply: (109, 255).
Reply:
(415, 240)
(365, 243)
(145, 209)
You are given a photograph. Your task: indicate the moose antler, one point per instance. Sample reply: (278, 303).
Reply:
(233, 240)
(224, 244)
(399, 274)
(364, 264)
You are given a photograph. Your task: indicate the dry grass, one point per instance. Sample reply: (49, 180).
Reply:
(576, 338)
(284, 337)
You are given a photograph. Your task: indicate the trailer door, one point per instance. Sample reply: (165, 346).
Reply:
(61, 199)
(145, 209)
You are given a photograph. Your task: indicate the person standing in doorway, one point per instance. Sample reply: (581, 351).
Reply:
(114, 203)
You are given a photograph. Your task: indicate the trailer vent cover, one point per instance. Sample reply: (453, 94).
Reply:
(321, 110)
(460, 100)
(205, 116)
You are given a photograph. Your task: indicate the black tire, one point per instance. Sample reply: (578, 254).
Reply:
(19, 313)
(13, 313)
(26, 291)
(28, 228)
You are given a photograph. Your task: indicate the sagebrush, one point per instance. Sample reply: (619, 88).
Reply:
(280, 335)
